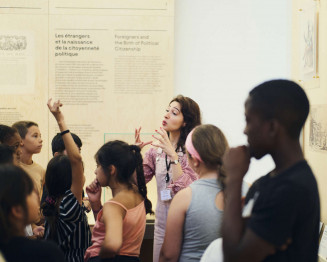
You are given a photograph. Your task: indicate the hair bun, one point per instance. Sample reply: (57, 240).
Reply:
(135, 148)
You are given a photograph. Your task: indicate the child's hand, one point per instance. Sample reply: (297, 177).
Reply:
(55, 109)
(236, 162)
(94, 191)
(87, 204)
(38, 231)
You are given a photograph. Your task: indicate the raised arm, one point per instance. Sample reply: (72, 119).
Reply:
(72, 150)
(172, 245)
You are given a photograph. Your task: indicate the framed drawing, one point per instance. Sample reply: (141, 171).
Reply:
(318, 128)
(308, 41)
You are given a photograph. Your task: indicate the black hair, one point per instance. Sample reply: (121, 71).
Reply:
(127, 159)
(58, 179)
(283, 100)
(192, 117)
(6, 154)
(6, 132)
(23, 126)
(15, 187)
(58, 145)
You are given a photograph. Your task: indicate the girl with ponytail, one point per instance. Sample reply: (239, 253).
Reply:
(120, 222)
(63, 209)
(195, 215)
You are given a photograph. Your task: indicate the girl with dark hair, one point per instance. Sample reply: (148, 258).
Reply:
(6, 154)
(120, 223)
(65, 220)
(168, 161)
(19, 206)
(195, 215)
(10, 137)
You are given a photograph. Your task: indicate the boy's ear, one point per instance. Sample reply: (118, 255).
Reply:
(56, 154)
(17, 212)
(274, 127)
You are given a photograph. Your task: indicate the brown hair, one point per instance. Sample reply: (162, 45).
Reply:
(192, 117)
(211, 144)
(23, 126)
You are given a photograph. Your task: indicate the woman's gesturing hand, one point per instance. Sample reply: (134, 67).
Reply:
(164, 143)
(138, 141)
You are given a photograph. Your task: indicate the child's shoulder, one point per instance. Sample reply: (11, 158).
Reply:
(128, 199)
(37, 166)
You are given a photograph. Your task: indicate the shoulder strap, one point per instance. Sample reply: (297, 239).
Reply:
(119, 204)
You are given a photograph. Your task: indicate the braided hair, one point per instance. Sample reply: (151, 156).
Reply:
(127, 159)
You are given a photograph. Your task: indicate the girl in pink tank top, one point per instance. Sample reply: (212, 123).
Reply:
(120, 223)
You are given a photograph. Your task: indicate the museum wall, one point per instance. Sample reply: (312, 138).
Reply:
(222, 50)
(309, 67)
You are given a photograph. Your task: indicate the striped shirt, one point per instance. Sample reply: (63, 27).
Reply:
(73, 232)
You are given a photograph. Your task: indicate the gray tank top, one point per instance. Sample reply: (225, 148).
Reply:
(203, 220)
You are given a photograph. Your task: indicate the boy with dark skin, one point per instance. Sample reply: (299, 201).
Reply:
(280, 219)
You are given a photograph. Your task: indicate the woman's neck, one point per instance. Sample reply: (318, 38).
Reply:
(174, 137)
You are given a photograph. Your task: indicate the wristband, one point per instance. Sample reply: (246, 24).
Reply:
(64, 132)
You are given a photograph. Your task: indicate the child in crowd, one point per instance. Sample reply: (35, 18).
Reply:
(195, 214)
(65, 220)
(167, 162)
(31, 144)
(19, 206)
(120, 224)
(6, 154)
(9, 136)
(58, 147)
(281, 216)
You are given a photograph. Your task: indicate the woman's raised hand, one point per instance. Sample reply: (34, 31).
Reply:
(164, 143)
(138, 141)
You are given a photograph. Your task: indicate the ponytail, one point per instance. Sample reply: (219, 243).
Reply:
(58, 179)
(222, 176)
(50, 210)
(140, 178)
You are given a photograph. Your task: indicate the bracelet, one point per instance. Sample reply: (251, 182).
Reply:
(64, 132)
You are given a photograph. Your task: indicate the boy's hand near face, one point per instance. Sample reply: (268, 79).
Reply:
(236, 162)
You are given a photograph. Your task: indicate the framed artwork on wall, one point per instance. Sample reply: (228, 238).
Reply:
(308, 41)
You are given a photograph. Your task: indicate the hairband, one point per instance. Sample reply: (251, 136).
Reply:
(190, 148)
(50, 200)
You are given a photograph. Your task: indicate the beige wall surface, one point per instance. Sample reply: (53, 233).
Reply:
(315, 84)
(109, 62)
